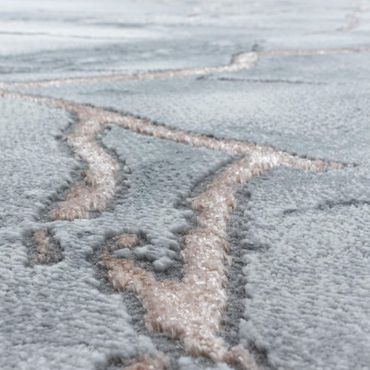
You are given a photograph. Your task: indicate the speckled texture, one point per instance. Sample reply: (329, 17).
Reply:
(313, 256)
(276, 113)
(299, 240)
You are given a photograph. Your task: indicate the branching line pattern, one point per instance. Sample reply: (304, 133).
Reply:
(191, 309)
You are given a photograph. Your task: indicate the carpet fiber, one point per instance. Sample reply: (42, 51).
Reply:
(185, 185)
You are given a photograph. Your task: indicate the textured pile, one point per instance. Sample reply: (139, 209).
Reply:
(185, 185)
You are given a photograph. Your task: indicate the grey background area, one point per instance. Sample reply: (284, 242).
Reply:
(300, 284)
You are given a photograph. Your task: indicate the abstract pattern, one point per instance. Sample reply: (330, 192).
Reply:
(191, 309)
(188, 307)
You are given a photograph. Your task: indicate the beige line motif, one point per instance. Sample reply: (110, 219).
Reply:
(99, 183)
(46, 251)
(314, 52)
(191, 309)
(353, 20)
(157, 361)
(238, 62)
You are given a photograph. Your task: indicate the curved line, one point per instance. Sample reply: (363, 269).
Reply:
(238, 62)
(205, 246)
(99, 180)
(156, 361)
(353, 21)
(191, 309)
(46, 250)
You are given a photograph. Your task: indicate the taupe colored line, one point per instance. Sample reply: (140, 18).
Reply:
(46, 250)
(245, 60)
(191, 309)
(353, 21)
(157, 361)
(99, 182)
(314, 52)
(238, 62)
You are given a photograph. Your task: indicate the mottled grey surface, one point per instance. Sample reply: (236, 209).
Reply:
(303, 118)
(307, 274)
(301, 240)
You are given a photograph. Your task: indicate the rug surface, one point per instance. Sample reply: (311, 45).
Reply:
(185, 185)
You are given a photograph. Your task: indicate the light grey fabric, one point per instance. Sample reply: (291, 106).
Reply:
(300, 286)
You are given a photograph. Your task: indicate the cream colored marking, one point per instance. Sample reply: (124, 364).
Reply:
(98, 186)
(238, 62)
(126, 240)
(354, 18)
(157, 361)
(245, 60)
(314, 52)
(191, 309)
(99, 183)
(353, 21)
(45, 253)
(41, 240)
